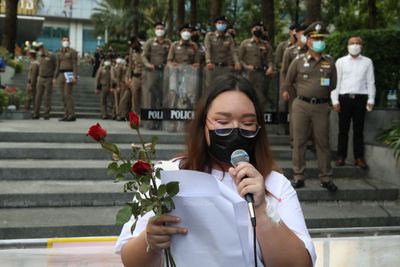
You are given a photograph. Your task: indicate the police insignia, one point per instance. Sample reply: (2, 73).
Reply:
(318, 27)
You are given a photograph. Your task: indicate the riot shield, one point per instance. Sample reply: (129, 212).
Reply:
(183, 91)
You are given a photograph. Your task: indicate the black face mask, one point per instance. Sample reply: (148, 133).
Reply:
(257, 33)
(195, 38)
(221, 147)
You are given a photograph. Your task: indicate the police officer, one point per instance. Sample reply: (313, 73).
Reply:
(256, 57)
(47, 63)
(130, 99)
(66, 64)
(314, 75)
(280, 50)
(183, 53)
(118, 83)
(33, 71)
(103, 87)
(196, 36)
(220, 51)
(289, 55)
(154, 58)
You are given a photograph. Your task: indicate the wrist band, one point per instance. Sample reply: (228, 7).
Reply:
(272, 214)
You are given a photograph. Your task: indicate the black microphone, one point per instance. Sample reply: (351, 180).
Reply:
(237, 156)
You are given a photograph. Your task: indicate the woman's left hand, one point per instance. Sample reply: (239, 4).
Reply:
(249, 180)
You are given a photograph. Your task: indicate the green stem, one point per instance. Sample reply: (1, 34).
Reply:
(143, 145)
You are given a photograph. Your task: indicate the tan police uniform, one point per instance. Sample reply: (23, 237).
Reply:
(33, 72)
(47, 65)
(280, 50)
(311, 81)
(131, 98)
(257, 53)
(118, 86)
(290, 54)
(66, 61)
(220, 51)
(155, 52)
(103, 84)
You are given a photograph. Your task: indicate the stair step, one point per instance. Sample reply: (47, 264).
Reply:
(100, 221)
(351, 214)
(61, 193)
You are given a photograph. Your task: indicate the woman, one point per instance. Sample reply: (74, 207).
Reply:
(228, 117)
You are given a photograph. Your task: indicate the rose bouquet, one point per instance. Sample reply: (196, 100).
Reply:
(140, 176)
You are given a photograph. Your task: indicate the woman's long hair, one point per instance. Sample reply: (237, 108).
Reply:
(197, 156)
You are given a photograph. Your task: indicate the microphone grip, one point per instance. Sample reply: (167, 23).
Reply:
(249, 198)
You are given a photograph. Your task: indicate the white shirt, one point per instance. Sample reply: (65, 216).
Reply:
(354, 76)
(283, 198)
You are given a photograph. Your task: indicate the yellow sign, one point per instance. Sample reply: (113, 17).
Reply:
(25, 7)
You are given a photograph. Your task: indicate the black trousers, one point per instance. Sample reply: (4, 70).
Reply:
(352, 108)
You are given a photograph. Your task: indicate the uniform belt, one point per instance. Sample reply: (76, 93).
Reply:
(353, 96)
(136, 74)
(66, 70)
(221, 64)
(46, 77)
(313, 100)
(159, 67)
(259, 67)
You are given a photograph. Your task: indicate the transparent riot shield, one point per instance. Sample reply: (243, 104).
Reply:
(183, 91)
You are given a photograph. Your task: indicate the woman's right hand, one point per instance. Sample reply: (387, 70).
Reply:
(159, 231)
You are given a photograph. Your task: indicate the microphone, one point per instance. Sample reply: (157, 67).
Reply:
(238, 156)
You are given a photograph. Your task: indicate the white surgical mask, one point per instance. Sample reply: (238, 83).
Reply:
(65, 44)
(354, 49)
(159, 33)
(107, 63)
(303, 39)
(185, 35)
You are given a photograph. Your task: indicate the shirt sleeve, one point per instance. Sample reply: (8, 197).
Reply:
(207, 45)
(289, 210)
(371, 83)
(336, 91)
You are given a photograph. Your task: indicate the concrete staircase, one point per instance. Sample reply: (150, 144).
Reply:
(53, 182)
(53, 179)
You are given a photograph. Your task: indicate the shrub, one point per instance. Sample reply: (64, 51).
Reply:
(381, 46)
(391, 137)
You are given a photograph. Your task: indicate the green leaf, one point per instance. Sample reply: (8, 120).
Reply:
(144, 188)
(162, 189)
(112, 168)
(123, 215)
(172, 188)
(111, 148)
(125, 168)
(120, 177)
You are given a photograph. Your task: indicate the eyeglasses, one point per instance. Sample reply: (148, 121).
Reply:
(225, 128)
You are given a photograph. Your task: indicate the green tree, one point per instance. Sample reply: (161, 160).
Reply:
(313, 11)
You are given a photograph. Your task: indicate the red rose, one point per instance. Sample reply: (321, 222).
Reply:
(141, 168)
(97, 132)
(133, 120)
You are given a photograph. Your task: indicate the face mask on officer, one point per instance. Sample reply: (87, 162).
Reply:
(221, 27)
(65, 44)
(107, 63)
(303, 39)
(258, 33)
(185, 35)
(195, 37)
(318, 46)
(160, 32)
(354, 49)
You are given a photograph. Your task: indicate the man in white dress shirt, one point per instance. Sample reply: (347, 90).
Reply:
(354, 94)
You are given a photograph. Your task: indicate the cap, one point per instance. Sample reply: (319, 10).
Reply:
(159, 23)
(224, 18)
(301, 27)
(316, 29)
(185, 26)
(293, 26)
(259, 23)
